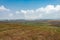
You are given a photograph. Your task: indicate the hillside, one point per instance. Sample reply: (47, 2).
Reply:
(29, 31)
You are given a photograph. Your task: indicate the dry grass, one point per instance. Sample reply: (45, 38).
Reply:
(18, 31)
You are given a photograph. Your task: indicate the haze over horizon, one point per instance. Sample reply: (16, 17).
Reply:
(29, 9)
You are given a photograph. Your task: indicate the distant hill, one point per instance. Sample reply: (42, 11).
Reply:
(49, 21)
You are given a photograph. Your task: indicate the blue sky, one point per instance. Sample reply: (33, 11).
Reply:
(29, 9)
(27, 4)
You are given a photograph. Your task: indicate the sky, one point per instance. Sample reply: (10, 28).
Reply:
(29, 9)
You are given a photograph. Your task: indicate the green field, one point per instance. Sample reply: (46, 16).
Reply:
(29, 31)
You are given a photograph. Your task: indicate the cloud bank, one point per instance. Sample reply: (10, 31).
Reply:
(47, 12)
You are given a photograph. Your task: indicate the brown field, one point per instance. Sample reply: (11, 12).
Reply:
(29, 31)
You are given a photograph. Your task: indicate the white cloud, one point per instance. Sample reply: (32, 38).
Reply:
(10, 14)
(57, 7)
(3, 8)
(49, 11)
(38, 13)
(17, 12)
(30, 14)
(23, 11)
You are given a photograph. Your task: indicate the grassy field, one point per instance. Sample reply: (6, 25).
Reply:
(29, 31)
